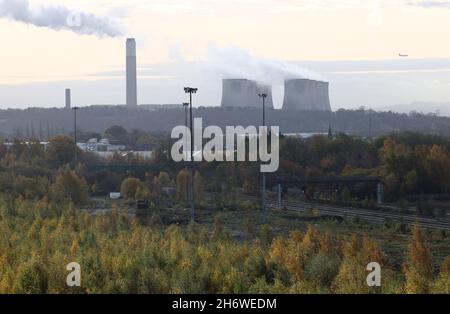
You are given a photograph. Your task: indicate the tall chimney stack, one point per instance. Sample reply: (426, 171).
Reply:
(131, 73)
(68, 98)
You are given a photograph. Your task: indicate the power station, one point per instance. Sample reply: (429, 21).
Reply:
(299, 94)
(131, 73)
(306, 95)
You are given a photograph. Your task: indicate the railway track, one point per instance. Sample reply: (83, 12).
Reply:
(374, 216)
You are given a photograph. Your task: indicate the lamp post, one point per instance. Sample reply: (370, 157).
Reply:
(263, 96)
(190, 91)
(75, 109)
(185, 150)
(186, 107)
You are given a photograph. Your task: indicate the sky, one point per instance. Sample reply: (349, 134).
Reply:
(50, 45)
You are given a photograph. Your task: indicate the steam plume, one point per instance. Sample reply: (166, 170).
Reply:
(58, 18)
(232, 62)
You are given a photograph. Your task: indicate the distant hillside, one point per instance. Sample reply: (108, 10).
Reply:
(40, 122)
(440, 108)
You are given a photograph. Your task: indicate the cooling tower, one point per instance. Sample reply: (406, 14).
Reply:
(244, 93)
(326, 96)
(131, 73)
(315, 91)
(266, 89)
(297, 95)
(306, 95)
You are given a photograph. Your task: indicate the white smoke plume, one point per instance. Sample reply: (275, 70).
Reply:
(59, 18)
(233, 62)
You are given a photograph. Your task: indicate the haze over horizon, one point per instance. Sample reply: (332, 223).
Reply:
(354, 44)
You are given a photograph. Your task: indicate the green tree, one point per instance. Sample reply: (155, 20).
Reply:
(19, 148)
(164, 179)
(411, 181)
(182, 185)
(33, 279)
(61, 151)
(321, 270)
(116, 132)
(3, 150)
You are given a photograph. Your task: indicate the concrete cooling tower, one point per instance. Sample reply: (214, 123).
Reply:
(244, 93)
(324, 96)
(266, 89)
(306, 95)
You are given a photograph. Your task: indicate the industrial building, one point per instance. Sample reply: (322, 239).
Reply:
(131, 79)
(244, 93)
(306, 95)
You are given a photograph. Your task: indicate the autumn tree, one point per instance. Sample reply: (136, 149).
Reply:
(142, 192)
(437, 166)
(130, 187)
(352, 275)
(442, 284)
(159, 182)
(68, 185)
(199, 188)
(418, 267)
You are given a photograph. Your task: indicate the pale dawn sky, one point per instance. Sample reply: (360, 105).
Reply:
(355, 44)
